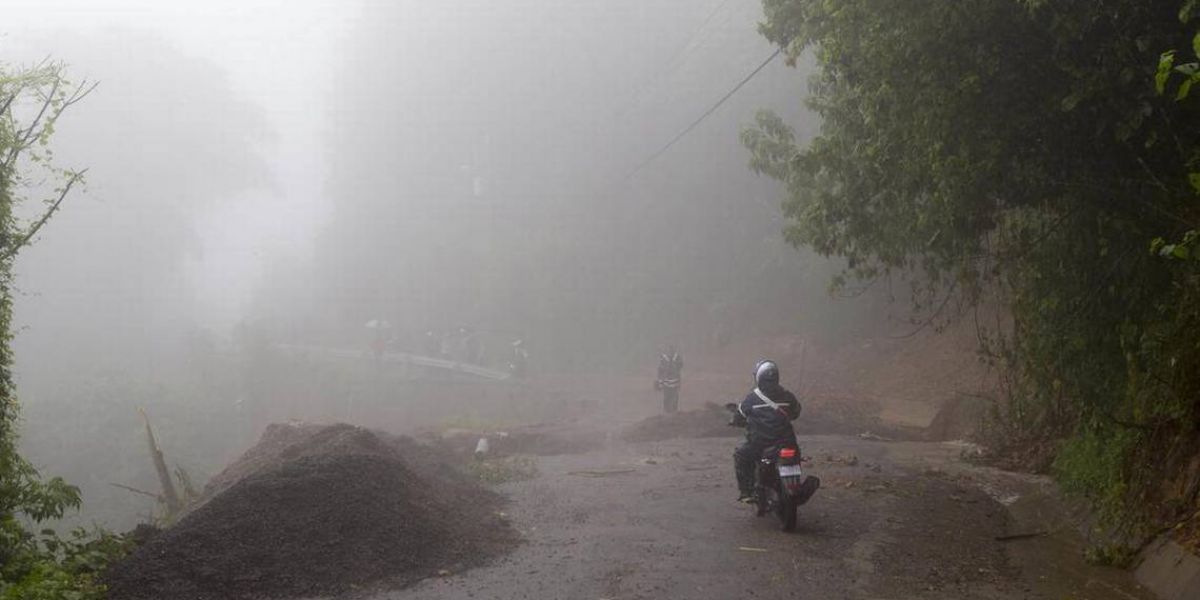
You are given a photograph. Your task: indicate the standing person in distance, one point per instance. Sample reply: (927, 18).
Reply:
(670, 372)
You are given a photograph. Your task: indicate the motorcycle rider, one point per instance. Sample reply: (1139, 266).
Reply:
(768, 411)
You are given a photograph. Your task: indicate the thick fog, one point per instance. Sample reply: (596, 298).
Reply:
(482, 171)
(265, 173)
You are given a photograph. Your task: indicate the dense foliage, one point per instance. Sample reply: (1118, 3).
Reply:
(34, 566)
(1019, 155)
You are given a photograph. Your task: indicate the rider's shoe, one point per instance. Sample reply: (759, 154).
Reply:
(745, 498)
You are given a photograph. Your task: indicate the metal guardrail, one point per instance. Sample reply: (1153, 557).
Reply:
(402, 358)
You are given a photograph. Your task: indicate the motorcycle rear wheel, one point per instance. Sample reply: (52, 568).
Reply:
(787, 512)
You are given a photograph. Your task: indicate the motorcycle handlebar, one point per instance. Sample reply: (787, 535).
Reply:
(735, 418)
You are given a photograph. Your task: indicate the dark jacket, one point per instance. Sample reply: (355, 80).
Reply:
(770, 421)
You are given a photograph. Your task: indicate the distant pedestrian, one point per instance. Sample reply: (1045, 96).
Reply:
(431, 344)
(670, 376)
(519, 359)
(380, 334)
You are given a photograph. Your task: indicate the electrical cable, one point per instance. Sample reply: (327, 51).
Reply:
(676, 60)
(704, 116)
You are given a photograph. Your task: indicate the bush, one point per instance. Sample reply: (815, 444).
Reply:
(50, 567)
(500, 470)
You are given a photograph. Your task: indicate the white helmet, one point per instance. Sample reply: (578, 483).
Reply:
(766, 371)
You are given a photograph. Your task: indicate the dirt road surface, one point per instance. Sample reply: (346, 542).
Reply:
(657, 519)
(893, 520)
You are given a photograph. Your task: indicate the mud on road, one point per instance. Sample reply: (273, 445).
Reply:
(657, 520)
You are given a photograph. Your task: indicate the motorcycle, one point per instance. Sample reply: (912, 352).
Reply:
(780, 485)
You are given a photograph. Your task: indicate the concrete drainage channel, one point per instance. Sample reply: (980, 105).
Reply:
(1170, 571)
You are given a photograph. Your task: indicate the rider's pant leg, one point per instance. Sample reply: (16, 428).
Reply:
(743, 465)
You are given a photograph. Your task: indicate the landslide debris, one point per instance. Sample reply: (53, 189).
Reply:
(710, 421)
(318, 510)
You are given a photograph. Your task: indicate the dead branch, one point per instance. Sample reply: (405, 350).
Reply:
(38, 126)
(137, 491)
(23, 139)
(8, 102)
(37, 226)
(933, 317)
(1020, 536)
(81, 91)
(170, 497)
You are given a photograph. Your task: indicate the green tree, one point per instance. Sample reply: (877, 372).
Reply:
(1017, 153)
(34, 566)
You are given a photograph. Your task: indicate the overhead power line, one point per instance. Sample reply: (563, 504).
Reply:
(678, 58)
(704, 116)
(682, 54)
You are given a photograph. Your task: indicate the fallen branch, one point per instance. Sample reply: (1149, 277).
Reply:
(1020, 536)
(170, 496)
(607, 473)
(137, 491)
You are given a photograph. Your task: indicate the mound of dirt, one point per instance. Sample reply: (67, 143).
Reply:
(711, 421)
(828, 416)
(828, 413)
(285, 441)
(314, 511)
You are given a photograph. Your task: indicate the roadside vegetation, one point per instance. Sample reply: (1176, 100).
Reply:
(1033, 166)
(36, 564)
(494, 471)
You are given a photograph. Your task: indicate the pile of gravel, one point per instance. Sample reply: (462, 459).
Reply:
(315, 511)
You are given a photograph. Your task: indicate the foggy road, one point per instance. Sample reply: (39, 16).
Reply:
(658, 520)
(271, 269)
